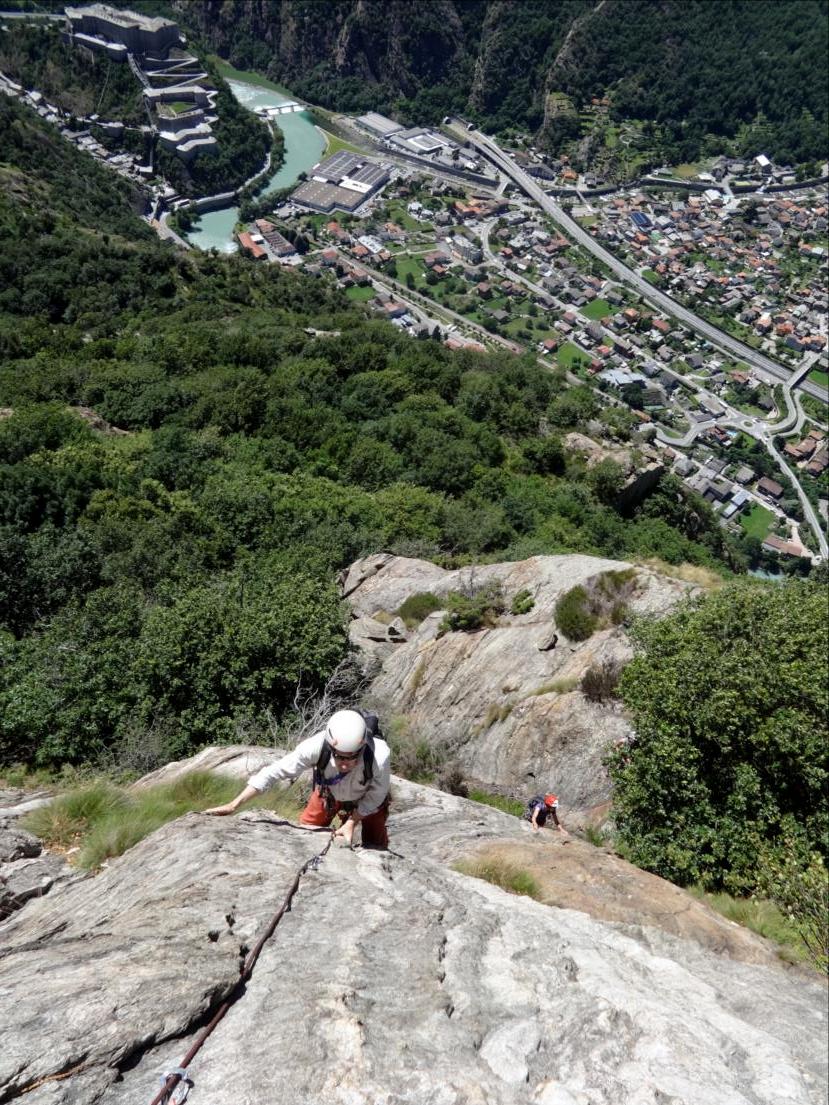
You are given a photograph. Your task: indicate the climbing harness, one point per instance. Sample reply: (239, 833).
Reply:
(176, 1084)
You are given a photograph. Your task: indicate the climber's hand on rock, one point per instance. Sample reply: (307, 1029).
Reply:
(345, 833)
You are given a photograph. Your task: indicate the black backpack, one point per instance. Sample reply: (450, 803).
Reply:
(373, 731)
(533, 804)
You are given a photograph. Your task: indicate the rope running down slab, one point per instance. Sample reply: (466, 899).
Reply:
(176, 1076)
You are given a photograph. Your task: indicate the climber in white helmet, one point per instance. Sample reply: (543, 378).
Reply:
(352, 774)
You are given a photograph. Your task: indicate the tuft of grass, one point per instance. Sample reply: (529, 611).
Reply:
(66, 822)
(478, 610)
(556, 686)
(501, 872)
(418, 676)
(573, 615)
(762, 917)
(594, 836)
(705, 578)
(105, 821)
(599, 682)
(498, 802)
(601, 602)
(21, 777)
(496, 713)
(522, 602)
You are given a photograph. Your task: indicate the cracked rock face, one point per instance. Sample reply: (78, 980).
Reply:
(393, 980)
(505, 701)
(26, 871)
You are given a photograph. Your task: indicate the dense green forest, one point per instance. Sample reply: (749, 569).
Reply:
(78, 81)
(82, 83)
(252, 460)
(700, 73)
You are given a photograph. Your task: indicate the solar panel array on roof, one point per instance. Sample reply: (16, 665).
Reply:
(338, 165)
(641, 219)
(370, 174)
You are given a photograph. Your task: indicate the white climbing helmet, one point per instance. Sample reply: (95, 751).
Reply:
(346, 731)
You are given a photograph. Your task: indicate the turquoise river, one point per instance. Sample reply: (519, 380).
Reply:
(304, 145)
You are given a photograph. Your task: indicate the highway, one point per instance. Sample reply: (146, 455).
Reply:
(653, 295)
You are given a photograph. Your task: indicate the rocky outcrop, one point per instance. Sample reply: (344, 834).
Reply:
(26, 870)
(372, 40)
(392, 980)
(504, 700)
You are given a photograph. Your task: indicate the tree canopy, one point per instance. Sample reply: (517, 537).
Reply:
(730, 700)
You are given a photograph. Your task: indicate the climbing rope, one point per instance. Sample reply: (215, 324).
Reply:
(176, 1083)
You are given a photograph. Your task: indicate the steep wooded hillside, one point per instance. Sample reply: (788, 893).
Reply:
(692, 68)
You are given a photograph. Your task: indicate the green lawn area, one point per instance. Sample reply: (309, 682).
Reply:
(247, 75)
(178, 107)
(569, 354)
(818, 377)
(398, 214)
(599, 308)
(651, 276)
(758, 521)
(687, 171)
(411, 265)
(336, 144)
(360, 294)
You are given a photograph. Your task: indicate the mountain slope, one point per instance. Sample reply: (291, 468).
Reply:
(692, 67)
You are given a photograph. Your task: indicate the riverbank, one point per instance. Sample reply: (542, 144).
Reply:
(304, 145)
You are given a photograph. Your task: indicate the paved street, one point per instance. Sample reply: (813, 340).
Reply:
(652, 295)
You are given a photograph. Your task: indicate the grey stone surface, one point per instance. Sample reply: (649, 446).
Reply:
(502, 701)
(394, 980)
(16, 843)
(26, 871)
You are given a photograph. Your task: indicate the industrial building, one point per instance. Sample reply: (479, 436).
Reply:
(379, 125)
(344, 180)
(421, 141)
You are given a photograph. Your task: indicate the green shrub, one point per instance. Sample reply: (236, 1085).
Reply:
(594, 836)
(573, 616)
(601, 602)
(452, 781)
(763, 916)
(729, 699)
(417, 607)
(599, 682)
(799, 887)
(413, 756)
(501, 872)
(466, 613)
(522, 602)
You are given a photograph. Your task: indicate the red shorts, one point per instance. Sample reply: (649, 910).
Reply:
(373, 827)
